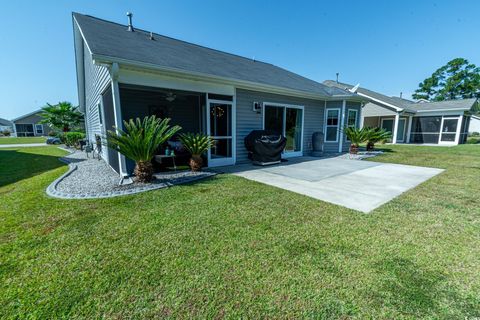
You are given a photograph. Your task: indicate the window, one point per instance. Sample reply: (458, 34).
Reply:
(352, 118)
(331, 125)
(39, 129)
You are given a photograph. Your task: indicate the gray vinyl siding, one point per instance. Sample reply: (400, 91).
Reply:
(248, 120)
(375, 110)
(97, 78)
(351, 106)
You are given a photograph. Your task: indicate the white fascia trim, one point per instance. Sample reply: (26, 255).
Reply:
(382, 102)
(444, 110)
(81, 32)
(241, 84)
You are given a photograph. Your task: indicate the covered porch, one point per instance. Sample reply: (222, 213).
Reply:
(193, 111)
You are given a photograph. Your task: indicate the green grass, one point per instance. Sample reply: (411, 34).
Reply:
(232, 248)
(17, 140)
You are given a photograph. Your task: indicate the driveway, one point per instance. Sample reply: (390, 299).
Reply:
(355, 184)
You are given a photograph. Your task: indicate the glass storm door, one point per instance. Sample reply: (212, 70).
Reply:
(449, 130)
(401, 130)
(219, 124)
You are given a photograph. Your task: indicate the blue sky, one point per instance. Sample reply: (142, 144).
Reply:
(388, 46)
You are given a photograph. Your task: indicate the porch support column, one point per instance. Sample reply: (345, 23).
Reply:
(361, 115)
(409, 129)
(342, 124)
(459, 129)
(395, 128)
(117, 112)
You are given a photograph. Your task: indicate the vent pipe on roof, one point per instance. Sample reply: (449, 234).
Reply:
(151, 36)
(401, 93)
(130, 26)
(337, 76)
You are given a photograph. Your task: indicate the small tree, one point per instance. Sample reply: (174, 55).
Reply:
(140, 141)
(196, 144)
(62, 116)
(376, 135)
(356, 137)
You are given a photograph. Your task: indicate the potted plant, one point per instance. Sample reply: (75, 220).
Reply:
(376, 135)
(139, 142)
(196, 144)
(356, 137)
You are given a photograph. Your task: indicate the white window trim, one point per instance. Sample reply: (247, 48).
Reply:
(356, 121)
(291, 106)
(393, 127)
(337, 126)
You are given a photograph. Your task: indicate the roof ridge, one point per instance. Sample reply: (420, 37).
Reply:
(175, 39)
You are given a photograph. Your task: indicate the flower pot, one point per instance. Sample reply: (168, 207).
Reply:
(353, 149)
(196, 163)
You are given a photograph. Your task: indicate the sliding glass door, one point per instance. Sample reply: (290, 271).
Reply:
(288, 121)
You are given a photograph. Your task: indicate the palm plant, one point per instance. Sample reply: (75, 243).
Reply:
(196, 144)
(62, 116)
(356, 137)
(376, 135)
(139, 142)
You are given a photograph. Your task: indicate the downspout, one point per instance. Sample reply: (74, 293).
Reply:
(342, 123)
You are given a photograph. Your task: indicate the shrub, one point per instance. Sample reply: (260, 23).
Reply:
(196, 144)
(377, 135)
(6, 133)
(71, 139)
(356, 137)
(140, 141)
(474, 134)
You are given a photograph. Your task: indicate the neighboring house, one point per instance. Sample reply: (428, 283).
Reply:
(474, 124)
(442, 122)
(125, 73)
(29, 125)
(6, 125)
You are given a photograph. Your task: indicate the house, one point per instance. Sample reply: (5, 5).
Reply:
(421, 122)
(29, 125)
(474, 124)
(6, 125)
(124, 72)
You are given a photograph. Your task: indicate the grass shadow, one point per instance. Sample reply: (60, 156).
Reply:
(415, 291)
(19, 164)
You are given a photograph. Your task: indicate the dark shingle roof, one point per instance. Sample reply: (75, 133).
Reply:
(463, 104)
(5, 122)
(109, 39)
(375, 95)
(408, 105)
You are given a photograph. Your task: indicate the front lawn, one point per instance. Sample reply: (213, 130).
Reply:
(232, 248)
(21, 140)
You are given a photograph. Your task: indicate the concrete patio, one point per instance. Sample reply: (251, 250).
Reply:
(355, 184)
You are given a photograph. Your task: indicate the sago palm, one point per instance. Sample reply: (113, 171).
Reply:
(62, 116)
(356, 137)
(376, 135)
(139, 142)
(196, 144)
